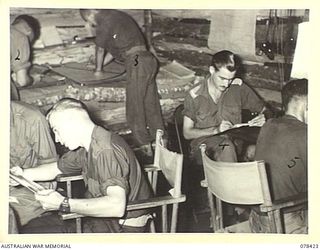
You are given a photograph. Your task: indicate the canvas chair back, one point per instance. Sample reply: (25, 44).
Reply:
(247, 184)
(238, 183)
(170, 163)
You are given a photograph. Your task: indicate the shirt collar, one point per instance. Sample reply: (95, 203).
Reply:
(203, 90)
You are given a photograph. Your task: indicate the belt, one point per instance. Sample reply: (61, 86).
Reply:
(140, 221)
(136, 49)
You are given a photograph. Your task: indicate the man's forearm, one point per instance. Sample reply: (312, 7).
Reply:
(98, 207)
(113, 204)
(45, 172)
(195, 133)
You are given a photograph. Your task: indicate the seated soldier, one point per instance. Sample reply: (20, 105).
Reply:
(215, 106)
(110, 169)
(31, 145)
(282, 144)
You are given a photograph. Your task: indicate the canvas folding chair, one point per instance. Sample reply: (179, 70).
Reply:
(191, 168)
(243, 183)
(170, 164)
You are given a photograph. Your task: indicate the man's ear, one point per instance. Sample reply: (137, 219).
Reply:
(212, 70)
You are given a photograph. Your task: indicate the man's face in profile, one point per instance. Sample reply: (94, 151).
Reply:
(221, 78)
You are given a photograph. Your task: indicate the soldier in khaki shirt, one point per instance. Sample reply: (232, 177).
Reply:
(215, 105)
(24, 30)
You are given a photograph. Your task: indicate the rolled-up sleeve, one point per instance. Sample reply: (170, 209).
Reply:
(250, 100)
(189, 109)
(20, 52)
(113, 170)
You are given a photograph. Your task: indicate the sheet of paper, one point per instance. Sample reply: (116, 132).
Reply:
(240, 125)
(31, 185)
(178, 70)
(50, 36)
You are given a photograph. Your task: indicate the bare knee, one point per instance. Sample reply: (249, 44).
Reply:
(226, 151)
(250, 153)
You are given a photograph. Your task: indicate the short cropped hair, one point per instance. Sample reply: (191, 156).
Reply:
(67, 104)
(225, 58)
(294, 88)
(32, 22)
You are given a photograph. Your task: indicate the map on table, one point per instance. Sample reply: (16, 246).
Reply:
(83, 73)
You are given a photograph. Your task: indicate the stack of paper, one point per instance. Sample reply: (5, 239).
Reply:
(178, 70)
(50, 36)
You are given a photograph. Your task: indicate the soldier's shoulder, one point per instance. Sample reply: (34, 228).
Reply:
(237, 81)
(194, 92)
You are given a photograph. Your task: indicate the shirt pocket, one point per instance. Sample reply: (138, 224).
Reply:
(206, 118)
(203, 112)
(231, 113)
(202, 115)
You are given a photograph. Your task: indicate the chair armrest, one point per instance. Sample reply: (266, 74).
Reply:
(204, 183)
(150, 168)
(70, 216)
(137, 205)
(155, 202)
(287, 202)
(68, 177)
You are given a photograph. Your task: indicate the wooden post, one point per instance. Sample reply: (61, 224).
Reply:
(220, 213)
(148, 27)
(164, 219)
(174, 217)
(213, 211)
(148, 31)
